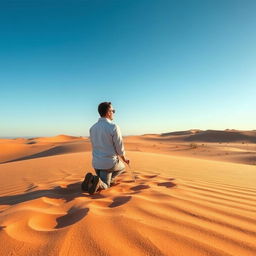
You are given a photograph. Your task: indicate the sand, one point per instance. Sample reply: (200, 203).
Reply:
(179, 204)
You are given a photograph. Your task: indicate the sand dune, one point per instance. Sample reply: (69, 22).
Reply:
(22, 149)
(58, 138)
(177, 206)
(182, 143)
(212, 136)
(229, 146)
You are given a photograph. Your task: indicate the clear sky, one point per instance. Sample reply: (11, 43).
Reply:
(165, 65)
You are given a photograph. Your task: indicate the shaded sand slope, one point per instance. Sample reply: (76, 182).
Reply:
(22, 149)
(212, 136)
(177, 206)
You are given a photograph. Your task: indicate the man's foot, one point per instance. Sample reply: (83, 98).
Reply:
(95, 185)
(88, 180)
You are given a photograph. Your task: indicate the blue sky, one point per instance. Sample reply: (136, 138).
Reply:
(165, 65)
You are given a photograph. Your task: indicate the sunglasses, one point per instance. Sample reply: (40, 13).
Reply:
(113, 111)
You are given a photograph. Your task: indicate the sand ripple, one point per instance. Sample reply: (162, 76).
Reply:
(171, 209)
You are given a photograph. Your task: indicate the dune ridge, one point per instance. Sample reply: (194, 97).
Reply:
(213, 135)
(229, 145)
(23, 149)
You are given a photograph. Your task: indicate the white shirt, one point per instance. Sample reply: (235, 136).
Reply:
(107, 144)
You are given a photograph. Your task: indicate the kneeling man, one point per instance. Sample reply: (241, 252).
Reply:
(107, 147)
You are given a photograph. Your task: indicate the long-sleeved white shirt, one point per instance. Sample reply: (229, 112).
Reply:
(107, 144)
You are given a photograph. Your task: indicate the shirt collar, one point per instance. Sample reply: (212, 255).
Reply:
(104, 119)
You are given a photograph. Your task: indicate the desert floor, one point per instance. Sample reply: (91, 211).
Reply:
(177, 198)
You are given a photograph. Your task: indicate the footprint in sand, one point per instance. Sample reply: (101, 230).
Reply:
(167, 184)
(150, 176)
(127, 181)
(73, 215)
(53, 201)
(140, 187)
(2, 227)
(120, 200)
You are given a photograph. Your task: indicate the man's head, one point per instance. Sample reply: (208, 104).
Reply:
(106, 110)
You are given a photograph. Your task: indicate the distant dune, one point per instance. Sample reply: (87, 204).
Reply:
(187, 132)
(59, 138)
(228, 145)
(213, 136)
(23, 149)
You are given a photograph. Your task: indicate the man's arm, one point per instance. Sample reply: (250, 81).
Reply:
(118, 143)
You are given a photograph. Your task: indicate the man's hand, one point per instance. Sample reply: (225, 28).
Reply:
(126, 160)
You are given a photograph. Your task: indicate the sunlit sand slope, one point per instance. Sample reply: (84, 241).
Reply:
(175, 206)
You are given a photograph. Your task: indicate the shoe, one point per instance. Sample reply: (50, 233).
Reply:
(88, 180)
(95, 185)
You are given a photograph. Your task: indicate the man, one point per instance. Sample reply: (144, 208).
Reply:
(107, 147)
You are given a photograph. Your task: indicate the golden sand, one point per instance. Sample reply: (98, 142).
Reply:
(179, 204)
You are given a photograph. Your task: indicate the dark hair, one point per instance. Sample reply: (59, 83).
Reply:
(103, 108)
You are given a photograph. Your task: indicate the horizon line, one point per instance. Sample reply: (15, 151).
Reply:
(61, 134)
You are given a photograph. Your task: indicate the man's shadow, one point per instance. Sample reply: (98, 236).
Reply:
(68, 194)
